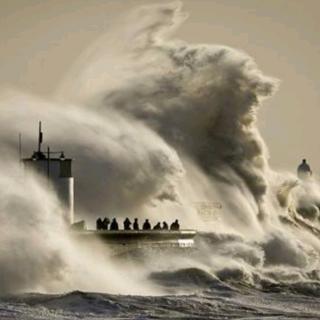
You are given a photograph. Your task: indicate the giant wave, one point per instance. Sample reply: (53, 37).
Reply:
(156, 125)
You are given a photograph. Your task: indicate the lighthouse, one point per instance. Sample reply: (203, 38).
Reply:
(58, 170)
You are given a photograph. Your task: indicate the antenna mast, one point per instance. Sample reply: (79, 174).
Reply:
(40, 137)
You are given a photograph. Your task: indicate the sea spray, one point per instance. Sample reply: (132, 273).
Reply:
(39, 252)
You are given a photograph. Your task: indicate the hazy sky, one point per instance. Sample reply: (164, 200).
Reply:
(39, 40)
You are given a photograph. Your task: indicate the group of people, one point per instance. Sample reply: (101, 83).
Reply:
(104, 225)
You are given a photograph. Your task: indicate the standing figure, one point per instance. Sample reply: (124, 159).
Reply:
(127, 224)
(99, 224)
(146, 225)
(165, 226)
(157, 226)
(304, 170)
(175, 226)
(135, 224)
(114, 225)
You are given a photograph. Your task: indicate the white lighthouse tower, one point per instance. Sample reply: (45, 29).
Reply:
(58, 170)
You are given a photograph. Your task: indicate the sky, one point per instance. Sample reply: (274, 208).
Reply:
(40, 39)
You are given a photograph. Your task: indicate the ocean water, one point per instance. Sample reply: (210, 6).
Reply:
(245, 290)
(209, 303)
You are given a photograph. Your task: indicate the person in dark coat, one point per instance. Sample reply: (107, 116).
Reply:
(127, 224)
(157, 226)
(304, 170)
(135, 224)
(146, 225)
(105, 223)
(165, 226)
(114, 225)
(175, 226)
(99, 224)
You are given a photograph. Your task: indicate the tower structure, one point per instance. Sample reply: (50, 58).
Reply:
(58, 170)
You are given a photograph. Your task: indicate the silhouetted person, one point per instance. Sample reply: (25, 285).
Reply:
(99, 224)
(157, 226)
(105, 223)
(165, 226)
(175, 226)
(135, 224)
(127, 224)
(146, 225)
(304, 170)
(114, 224)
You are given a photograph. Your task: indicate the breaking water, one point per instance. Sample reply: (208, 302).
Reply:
(189, 293)
(221, 302)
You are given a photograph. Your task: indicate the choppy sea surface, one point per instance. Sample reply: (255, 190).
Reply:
(207, 299)
(189, 292)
